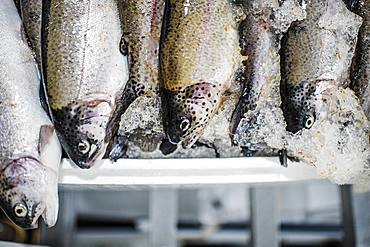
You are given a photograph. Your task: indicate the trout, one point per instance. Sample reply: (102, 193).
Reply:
(316, 56)
(84, 73)
(29, 149)
(198, 58)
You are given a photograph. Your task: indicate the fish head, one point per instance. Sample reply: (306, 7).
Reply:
(189, 111)
(82, 129)
(299, 106)
(24, 193)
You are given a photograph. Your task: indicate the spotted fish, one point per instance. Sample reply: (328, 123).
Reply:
(84, 73)
(31, 20)
(141, 25)
(29, 149)
(260, 35)
(141, 22)
(361, 63)
(316, 56)
(198, 57)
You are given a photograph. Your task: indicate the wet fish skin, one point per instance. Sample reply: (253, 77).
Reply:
(29, 149)
(198, 54)
(141, 25)
(360, 73)
(258, 42)
(141, 22)
(310, 56)
(84, 73)
(31, 11)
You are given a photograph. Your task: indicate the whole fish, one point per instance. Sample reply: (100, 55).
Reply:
(361, 64)
(316, 56)
(141, 22)
(31, 11)
(29, 149)
(260, 35)
(198, 57)
(84, 73)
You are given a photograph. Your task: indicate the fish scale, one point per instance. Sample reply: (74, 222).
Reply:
(29, 149)
(31, 11)
(141, 21)
(199, 55)
(84, 73)
(316, 52)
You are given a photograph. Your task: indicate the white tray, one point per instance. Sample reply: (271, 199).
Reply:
(186, 172)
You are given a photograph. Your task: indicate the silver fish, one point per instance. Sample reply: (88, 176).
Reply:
(29, 149)
(84, 73)
(316, 56)
(199, 56)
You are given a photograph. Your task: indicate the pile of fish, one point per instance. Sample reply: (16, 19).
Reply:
(178, 78)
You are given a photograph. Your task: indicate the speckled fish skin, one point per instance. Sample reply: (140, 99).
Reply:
(141, 25)
(141, 22)
(31, 11)
(199, 47)
(259, 43)
(310, 56)
(361, 63)
(84, 73)
(29, 149)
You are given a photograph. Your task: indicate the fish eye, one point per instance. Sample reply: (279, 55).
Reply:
(83, 147)
(185, 124)
(20, 210)
(309, 121)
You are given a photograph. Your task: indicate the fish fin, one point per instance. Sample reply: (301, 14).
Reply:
(123, 45)
(147, 142)
(118, 148)
(50, 214)
(46, 131)
(49, 148)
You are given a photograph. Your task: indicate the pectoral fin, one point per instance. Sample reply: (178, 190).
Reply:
(49, 147)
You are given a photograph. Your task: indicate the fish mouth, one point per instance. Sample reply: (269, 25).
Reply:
(38, 213)
(173, 139)
(185, 141)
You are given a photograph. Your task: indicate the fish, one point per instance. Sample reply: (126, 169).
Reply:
(141, 22)
(31, 11)
(260, 35)
(141, 26)
(84, 73)
(316, 55)
(30, 152)
(360, 73)
(198, 57)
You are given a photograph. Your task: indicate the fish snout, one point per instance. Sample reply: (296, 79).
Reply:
(173, 138)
